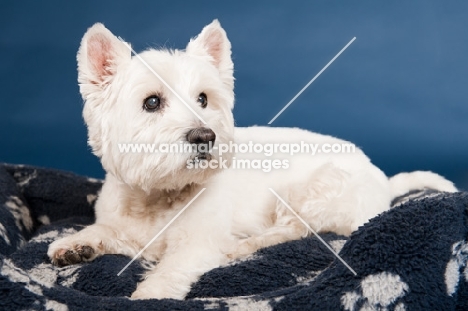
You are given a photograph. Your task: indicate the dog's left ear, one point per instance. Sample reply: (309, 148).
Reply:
(213, 42)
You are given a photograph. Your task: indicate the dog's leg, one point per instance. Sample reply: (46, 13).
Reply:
(289, 228)
(88, 244)
(197, 242)
(331, 200)
(311, 200)
(178, 269)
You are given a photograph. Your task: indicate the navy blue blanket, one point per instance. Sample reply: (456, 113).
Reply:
(413, 257)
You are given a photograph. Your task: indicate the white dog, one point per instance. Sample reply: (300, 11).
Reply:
(237, 214)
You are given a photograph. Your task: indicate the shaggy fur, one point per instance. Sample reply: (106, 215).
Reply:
(236, 214)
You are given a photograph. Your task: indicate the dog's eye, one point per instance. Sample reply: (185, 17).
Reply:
(203, 100)
(152, 103)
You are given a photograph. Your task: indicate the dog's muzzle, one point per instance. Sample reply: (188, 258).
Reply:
(203, 138)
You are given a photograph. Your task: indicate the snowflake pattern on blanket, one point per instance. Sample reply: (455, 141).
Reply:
(413, 257)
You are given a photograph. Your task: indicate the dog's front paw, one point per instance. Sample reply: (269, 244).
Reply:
(154, 287)
(244, 248)
(144, 294)
(63, 254)
(147, 292)
(154, 292)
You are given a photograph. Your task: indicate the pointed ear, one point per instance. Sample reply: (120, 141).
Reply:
(99, 56)
(213, 43)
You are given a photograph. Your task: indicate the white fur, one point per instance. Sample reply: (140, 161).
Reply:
(404, 182)
(237, 214)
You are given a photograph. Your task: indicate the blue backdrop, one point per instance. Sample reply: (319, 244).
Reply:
(399, 91)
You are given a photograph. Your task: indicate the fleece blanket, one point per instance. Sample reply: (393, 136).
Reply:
(413, 257)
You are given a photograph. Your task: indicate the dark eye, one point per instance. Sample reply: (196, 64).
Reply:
(203, 100)
(152, 103)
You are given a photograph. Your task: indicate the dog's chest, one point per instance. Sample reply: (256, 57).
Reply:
(149, 219)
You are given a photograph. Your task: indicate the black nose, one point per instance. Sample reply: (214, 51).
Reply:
(201, 135)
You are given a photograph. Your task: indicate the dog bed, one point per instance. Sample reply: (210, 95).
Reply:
(413, 257)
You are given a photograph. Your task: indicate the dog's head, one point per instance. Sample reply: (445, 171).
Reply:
(156, 98)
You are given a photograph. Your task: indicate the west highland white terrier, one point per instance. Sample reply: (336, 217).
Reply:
(125, 102)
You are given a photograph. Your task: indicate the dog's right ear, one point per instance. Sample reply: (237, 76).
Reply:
(99, 56)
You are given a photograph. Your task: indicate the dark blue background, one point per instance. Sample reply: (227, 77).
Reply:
(400, 90)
